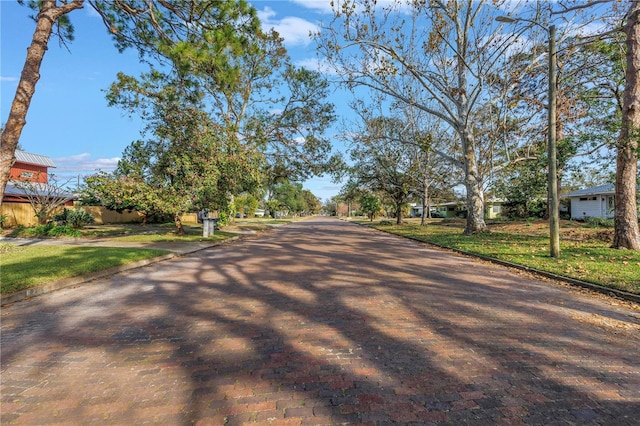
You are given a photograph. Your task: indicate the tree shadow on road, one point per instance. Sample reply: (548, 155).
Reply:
(321, 322)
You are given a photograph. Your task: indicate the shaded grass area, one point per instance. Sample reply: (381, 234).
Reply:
(591, 260)
(165, 230)
(171, 237)
(23, 267)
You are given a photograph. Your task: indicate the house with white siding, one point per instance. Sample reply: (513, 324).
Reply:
(492, 209)
(598, 201)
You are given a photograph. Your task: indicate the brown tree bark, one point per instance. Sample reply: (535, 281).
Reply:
(627, 235)
(49, 13)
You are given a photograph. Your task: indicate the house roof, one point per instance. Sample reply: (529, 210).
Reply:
(450, 203)
(608, 189)
(37, 189)
(36, 159)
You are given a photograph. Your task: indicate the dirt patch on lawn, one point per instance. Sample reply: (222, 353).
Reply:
(569, 230)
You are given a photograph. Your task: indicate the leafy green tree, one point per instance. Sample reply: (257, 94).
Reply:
(312, 203)
(188, 163)
(290, 197)
(370, 205)
(523, 185)
(273, 206)
(330, 206)
(350, 194)
(158, 29)
(246, 204)
(121, 193)
(442, 50)
(590, 80)
(231, 73)
(292, 140)
(383, 163)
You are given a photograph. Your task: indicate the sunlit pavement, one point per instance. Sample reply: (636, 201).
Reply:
(321, 322)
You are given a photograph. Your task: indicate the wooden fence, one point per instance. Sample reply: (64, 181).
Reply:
(22, 214)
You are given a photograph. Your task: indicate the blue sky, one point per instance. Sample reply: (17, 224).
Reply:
(69, 119)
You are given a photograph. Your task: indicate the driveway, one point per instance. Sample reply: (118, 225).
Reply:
(321, 322)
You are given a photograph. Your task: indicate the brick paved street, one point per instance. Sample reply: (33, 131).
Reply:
(321, 322)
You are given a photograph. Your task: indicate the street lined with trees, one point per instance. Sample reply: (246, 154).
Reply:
(466, 64)
(449, 96)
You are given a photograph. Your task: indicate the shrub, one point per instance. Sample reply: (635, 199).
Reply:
(51, 230)
(64, 231)
(3, 219)
(39, 230)
(517, 210)
(599, 222)
(79, 218)
(75, 218)
(223, 218)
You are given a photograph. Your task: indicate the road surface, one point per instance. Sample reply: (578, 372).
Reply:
(321, 322)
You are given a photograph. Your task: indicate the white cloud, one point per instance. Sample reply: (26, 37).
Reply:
(323, 6)
(316, 64)
(10, 79)
(84, 164)
(294, 30)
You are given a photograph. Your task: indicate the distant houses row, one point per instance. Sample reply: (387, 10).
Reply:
(493, 209)
(585, 203)
(598, 201)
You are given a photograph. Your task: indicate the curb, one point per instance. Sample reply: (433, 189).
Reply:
(28, 293)
(612, 292)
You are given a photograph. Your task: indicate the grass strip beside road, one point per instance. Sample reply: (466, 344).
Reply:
(173, 237)
(590, 261)
(22, 267)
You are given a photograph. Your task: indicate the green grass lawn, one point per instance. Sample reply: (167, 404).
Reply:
(591, 261)
(165, 230)
(23, 267)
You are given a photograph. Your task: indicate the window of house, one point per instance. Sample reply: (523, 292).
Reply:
(26, 175)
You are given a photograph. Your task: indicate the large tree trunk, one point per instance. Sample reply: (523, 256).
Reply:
(475, 194)
(178, 222)
(47, 17)
(626, 234)
(426, 205)
(399, 220)
(472, 181)
(425, 202)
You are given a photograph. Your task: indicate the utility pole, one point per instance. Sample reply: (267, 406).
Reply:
(554, 214)
(552, 183)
